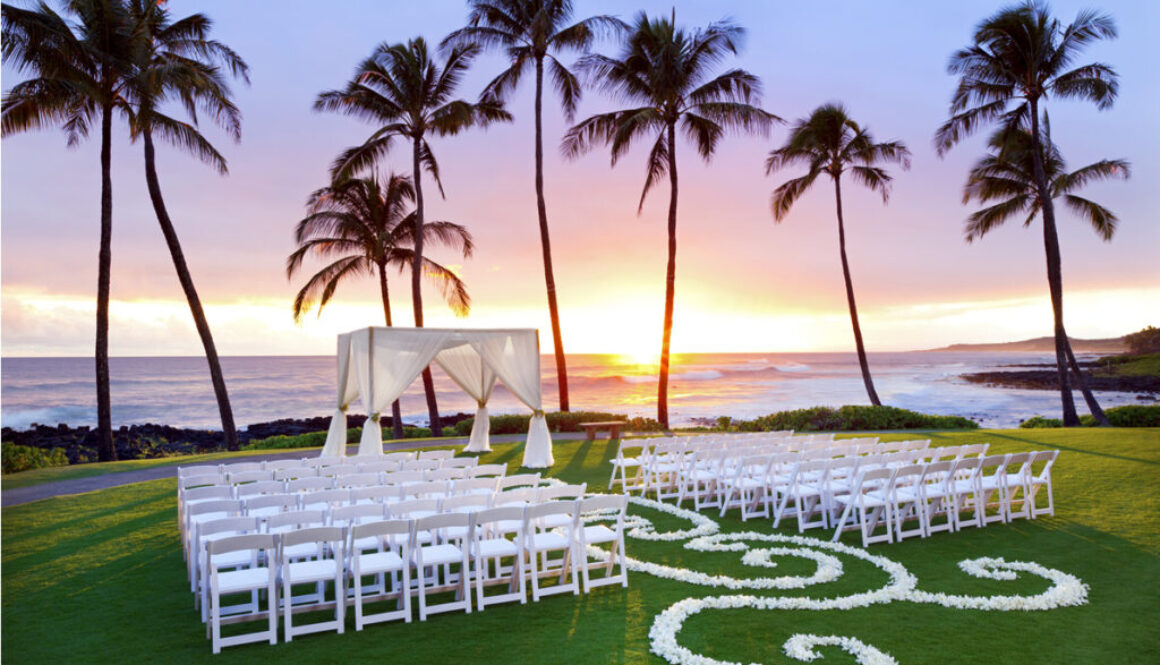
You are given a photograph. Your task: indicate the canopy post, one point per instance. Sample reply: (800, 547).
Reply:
(336, 435)
(480, 441)
(538, 452)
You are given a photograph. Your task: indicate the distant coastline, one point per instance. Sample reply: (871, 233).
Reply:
(1108, 346)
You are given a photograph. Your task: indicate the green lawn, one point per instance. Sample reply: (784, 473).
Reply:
(99, 578)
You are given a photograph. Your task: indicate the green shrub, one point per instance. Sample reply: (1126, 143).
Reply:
(851, 418)
(1038, 422)
(1129, 415)
(22, 458)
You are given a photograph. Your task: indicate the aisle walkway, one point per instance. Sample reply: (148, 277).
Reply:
(21, 495)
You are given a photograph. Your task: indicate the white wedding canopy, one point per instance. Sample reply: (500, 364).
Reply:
(375, 366)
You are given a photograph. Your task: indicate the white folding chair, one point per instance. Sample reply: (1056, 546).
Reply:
(460, 463)
(482, 486)
(259, 488)
(326, 499)
(627, 469)
(599, 534)
(541, 542)
(436, 454)
(264, 505)
(991, 489)
(386, 559)
(1041, 478)
(966, 493)
(519, 480)
(420, 465)
(400, 456)
(353, 480)
(488, 470)
(868, 504)
(326, 568)
(497, 554)
(937, 496)
(444, 552)
(381, 495)
(208, 532)
(447, 473)
(310, 484)
(1016, 484)
(662, 469)
(806, 493)
(747, 488)
(295, 472)
(904, 494)
(257, 576)
(378, 466)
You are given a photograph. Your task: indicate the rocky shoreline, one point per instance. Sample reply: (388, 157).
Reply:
(152, 440)
(1146, 387)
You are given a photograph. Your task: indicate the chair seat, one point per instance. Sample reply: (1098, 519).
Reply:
(246, 579)
(598, 533)
(548, 541)
(435, 555)
(494, 547)
(628, 461)
(311, 571)
(379, 562)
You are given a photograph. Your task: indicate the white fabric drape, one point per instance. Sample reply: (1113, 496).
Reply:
(470, 371)
(515, 357)
(385, 364)
(347, 392)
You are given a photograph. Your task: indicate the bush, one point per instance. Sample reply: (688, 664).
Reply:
(851, 418)
(1038, 422)
(22, 458)
(1144, 341)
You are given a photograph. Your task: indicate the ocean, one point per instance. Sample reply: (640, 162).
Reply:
(177, 391)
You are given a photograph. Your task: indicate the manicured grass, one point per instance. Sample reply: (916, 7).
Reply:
(99, 578)
(1147, 364)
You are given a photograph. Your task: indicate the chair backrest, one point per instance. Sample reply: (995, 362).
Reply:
(487, 470)
(328, 498)
(378, 494)
(296, 519)
(332, 535)
(315, 462)
(356, 514)
(460, 463)
(190, 482)
(420, 465)
(407, 508)
(310, 484)
(436, 454)
(378, 466)
(234, 525)
(359, 480)
(445, 526)
(266, 501)
(557, 492)
(907, 475)
(966, 468)
(383, 529)
(400, 456)
(520, 496)
(519, 480)
(225, 506)
(240, 467)
(432, 489)
(294, 472)
(475, 485)
(538, 510)
(505, 519)
(403, 477)
(207, 493)
(1047, 459)
(1020, 464)
(603, 502)
(337, 470)
(276, 464)
(447, 473)
(253, 541)
(200, 470)
(261, 487)
(632, 448)
(872, 477)
(938, 473)
(465, 503)
(974, 450)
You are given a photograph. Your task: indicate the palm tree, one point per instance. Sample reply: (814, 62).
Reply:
(177, 61)
(366, 229)
(665, 71)
(830, 142)
(77, 73)
(529, 31)
(1005, 178)
(1020, 57)
(408, 95)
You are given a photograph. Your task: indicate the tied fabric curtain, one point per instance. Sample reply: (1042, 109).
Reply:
(470, 371)
(515, 358)
(385, 364)
(347, 391)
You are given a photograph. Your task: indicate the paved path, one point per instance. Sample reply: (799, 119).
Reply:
(21, 495)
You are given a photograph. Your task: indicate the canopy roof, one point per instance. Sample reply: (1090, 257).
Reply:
(375, 366)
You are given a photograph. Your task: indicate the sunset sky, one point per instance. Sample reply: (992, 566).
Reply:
(743, 283)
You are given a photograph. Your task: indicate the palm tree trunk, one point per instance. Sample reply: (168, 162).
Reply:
(670, 284)
(1093, 405)
(183, 276)
(106, 451)
(396, 409)
(417, 284)
(1054, 272)
(866, 379)
(546, 244)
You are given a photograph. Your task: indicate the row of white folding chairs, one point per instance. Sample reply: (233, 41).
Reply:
(449, 551)
(671, 474)
(249, 475)
(757, 483)
(281, 511)
(996, 488)
(311, 492)
(311, 462)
